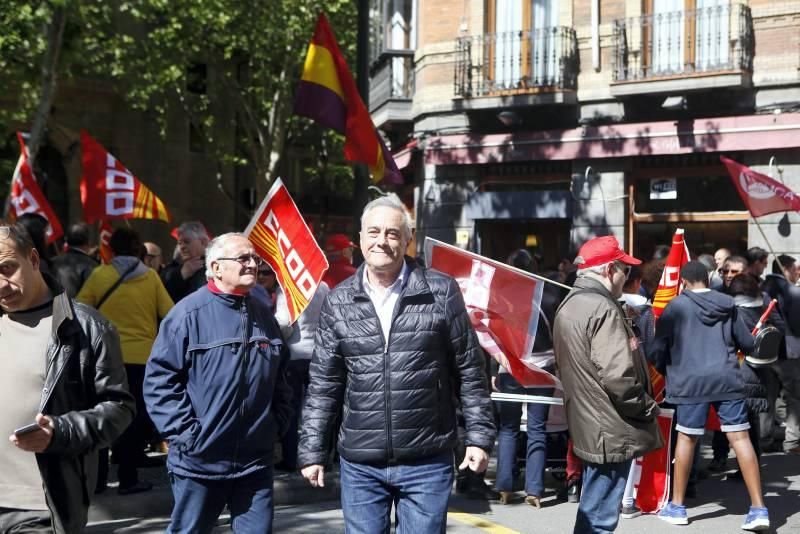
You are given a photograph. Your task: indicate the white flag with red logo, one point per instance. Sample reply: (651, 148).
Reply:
(503, 304)
(281, 236)
(760, 193)
(27, 197)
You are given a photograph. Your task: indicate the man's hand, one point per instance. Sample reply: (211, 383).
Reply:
(191, 266)
(315, 474)
(38, 440)
(476, 459)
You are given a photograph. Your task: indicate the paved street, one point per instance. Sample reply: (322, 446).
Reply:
(719, 509)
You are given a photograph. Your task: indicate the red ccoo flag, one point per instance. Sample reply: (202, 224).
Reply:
(281, 236)
(760, 193)
(27, 197)
(110, 191)
(328, 95)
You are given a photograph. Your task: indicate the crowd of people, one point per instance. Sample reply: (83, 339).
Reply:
(198, 358)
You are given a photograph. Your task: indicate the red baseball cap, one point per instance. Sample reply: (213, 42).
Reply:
(337, 242)
(602, 250)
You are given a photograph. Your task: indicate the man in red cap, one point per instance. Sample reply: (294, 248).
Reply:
(609, 401)
(339, 250)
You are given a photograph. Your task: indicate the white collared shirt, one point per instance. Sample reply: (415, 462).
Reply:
(384, 299)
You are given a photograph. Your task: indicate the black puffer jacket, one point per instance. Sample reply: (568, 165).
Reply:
(398, 399)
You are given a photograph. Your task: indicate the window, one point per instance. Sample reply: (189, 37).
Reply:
(524, 43)
(687, 35)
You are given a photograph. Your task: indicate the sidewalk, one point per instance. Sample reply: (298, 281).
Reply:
(289, 489)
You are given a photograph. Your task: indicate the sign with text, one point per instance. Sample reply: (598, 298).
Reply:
(281, 236)
(663, 189)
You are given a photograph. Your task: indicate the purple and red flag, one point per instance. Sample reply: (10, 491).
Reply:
(503, 304)
(328, 95)
(760, 193)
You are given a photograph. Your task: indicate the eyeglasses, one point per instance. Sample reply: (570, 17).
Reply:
(245, 259)
(730, 271)
(5, 232)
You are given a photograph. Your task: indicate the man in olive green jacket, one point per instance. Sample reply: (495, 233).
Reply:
(607, 393)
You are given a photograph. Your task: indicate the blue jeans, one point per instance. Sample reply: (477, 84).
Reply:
(199, 501)
(297, 377)
(603, 487)
(510, 414)
(420, 491)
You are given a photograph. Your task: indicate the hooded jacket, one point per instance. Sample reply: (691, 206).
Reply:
(695, 347)
(136, 306)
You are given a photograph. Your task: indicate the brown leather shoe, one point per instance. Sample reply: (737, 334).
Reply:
(506, 497)
(534, 501)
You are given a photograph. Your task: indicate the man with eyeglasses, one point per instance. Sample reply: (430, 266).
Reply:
(609, 402)
(63, 392)
(215, 387)
(731, 267)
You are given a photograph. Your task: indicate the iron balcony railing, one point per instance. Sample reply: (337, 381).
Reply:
(680, 43)
(516, 62)
(391, 77)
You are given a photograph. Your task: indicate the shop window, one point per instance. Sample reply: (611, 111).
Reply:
(693, 194)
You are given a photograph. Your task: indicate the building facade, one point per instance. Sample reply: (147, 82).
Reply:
(541, 123)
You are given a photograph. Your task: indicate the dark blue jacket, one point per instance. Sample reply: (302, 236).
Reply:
(215, 385)
(695, 347)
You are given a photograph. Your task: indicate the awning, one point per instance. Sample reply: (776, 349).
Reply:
(725, 134)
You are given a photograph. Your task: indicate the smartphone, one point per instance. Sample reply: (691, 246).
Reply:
(26, 429)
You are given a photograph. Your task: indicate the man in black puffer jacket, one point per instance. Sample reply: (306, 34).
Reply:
(395, 351)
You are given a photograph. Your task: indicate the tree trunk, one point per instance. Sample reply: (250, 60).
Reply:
(55, 37)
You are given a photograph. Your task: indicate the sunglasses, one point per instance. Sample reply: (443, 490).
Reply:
(730, 271)
(245, 259)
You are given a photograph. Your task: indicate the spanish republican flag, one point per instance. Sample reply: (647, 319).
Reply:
(111, 191)
(328, 95)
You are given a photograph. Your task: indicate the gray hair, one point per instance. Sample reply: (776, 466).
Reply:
(389, 201)
(595, 270)
(216, 249)
(193, 230)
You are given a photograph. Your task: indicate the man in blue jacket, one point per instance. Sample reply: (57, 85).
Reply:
(695, 348)
(215, 388)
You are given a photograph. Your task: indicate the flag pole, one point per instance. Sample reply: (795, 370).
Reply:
(769, 245)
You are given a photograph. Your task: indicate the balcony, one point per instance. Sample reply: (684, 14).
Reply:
(700, 49)
(541, 65)
(391, 86)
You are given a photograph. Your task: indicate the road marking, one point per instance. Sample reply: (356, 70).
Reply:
(479, 522)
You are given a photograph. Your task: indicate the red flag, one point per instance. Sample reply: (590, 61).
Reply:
(328, 95)
(760, 193)
(651, 472)
(110, 191)
(668, 289)
(105, 236)
(503, 305)
(281, 236)
(27, 197)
